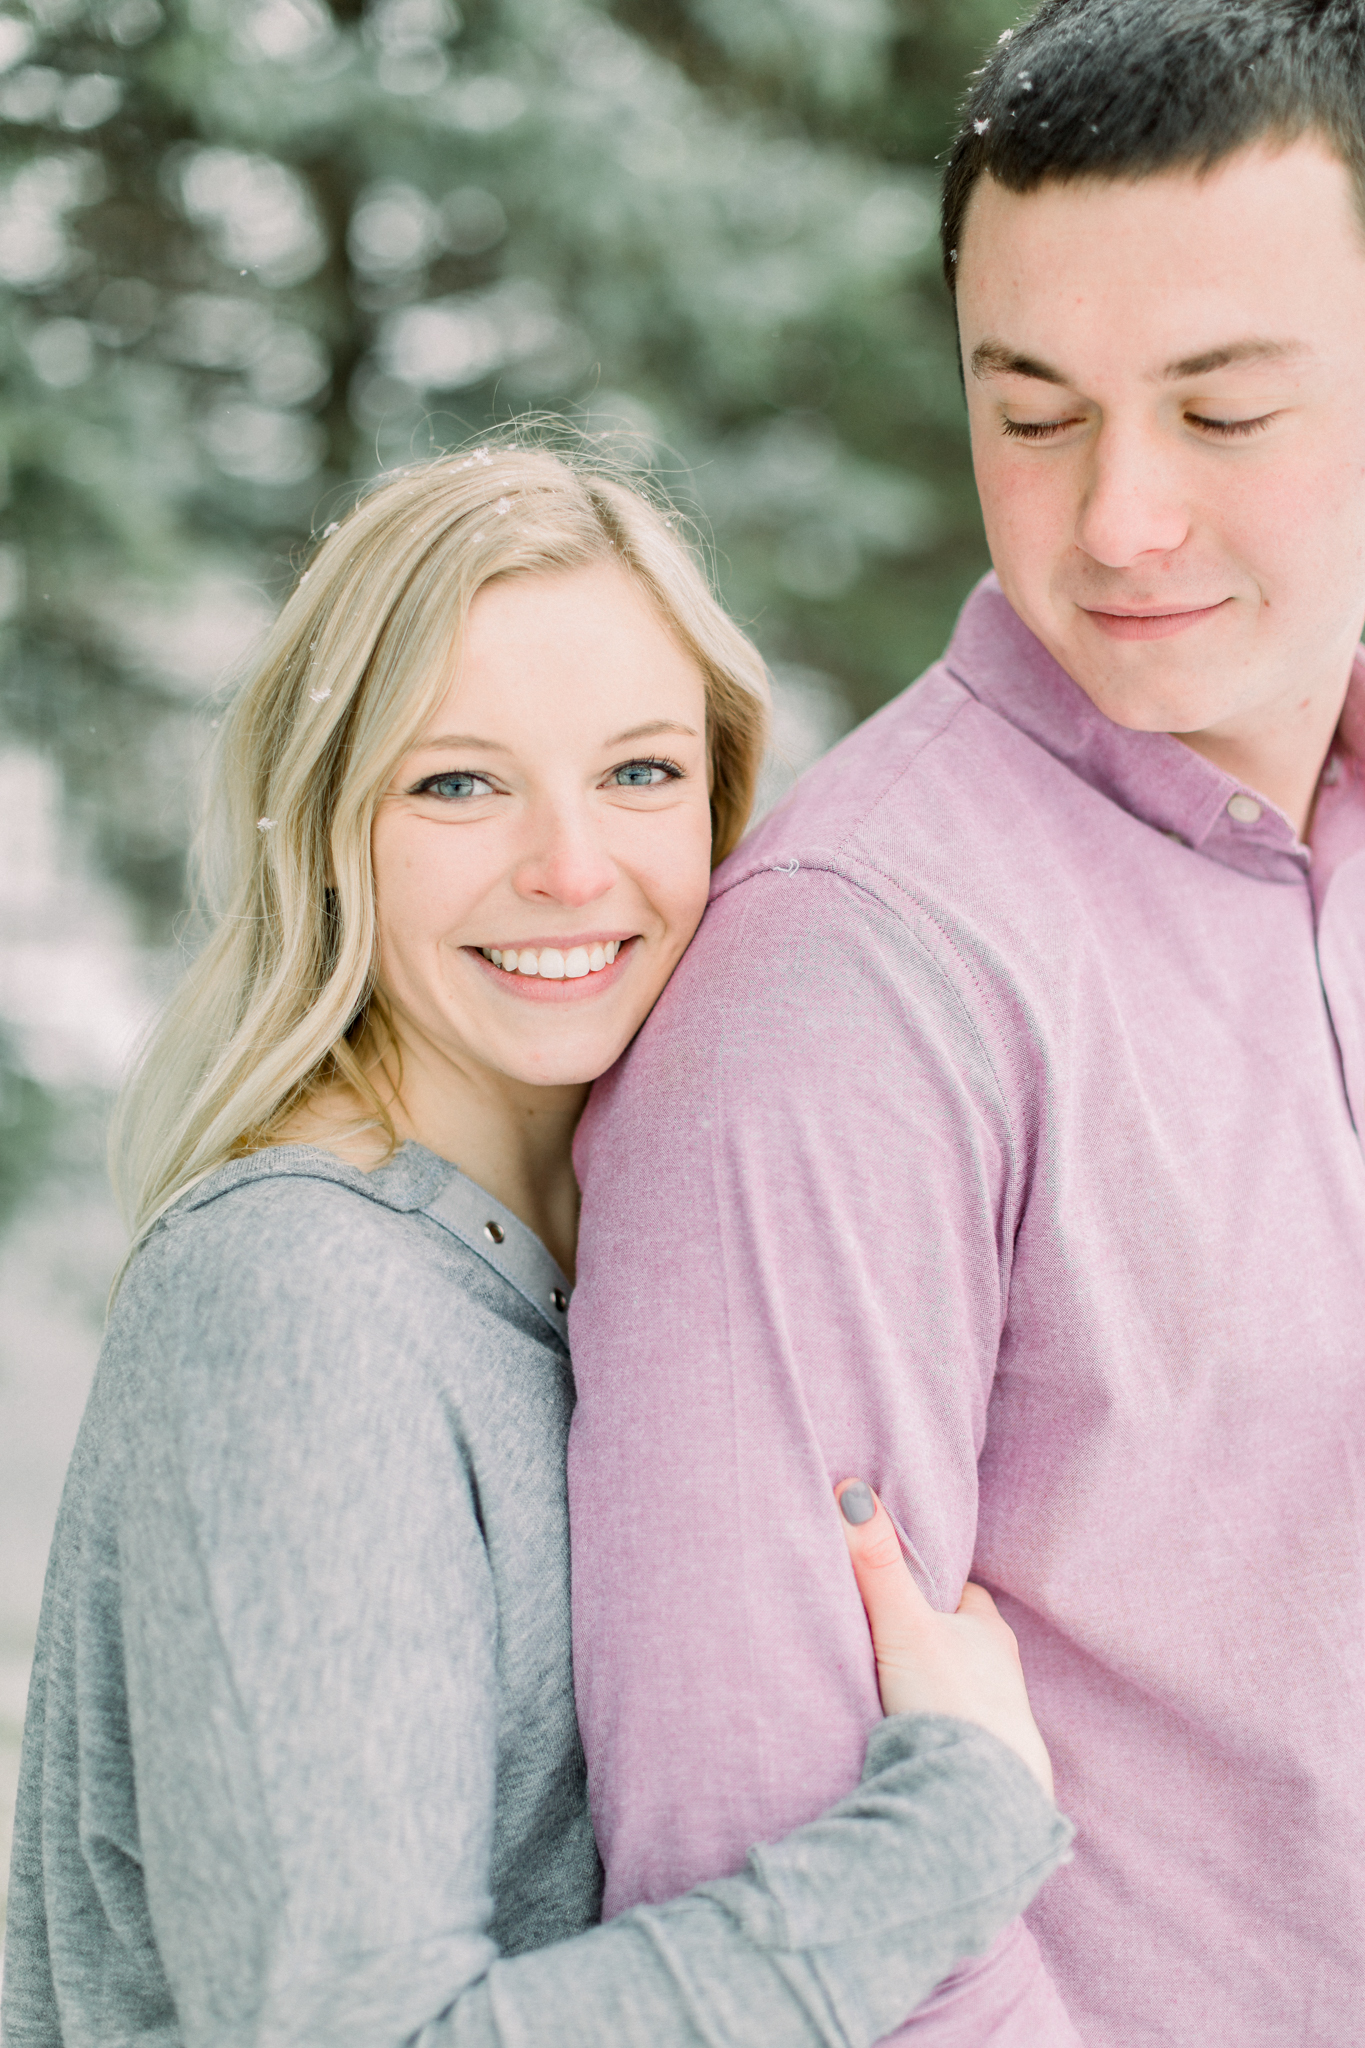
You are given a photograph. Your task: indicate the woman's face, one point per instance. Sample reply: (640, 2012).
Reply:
(555, 815)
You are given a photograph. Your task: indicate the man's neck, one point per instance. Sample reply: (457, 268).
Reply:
(1279, 752)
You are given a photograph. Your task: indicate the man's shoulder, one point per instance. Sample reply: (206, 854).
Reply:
(936, 781)
(931, 846)
(872, 782)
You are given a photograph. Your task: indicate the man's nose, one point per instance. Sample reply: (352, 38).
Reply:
(1134, 502)
(564, 860)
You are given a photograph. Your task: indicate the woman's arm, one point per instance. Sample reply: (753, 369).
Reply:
(825, 1940)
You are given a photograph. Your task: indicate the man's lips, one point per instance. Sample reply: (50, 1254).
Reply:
(1150, 625)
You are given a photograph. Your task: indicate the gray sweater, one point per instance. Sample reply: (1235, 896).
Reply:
(301, 1764)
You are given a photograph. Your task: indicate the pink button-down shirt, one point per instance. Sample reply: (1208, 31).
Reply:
(998, 1140)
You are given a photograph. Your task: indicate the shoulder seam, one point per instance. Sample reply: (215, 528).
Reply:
(326, 1180)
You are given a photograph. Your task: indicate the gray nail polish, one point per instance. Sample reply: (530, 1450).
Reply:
(857, 1502)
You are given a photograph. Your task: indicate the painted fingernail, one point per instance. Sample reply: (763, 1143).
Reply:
(857, 1502)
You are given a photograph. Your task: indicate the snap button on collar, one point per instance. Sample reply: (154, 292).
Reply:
(1243, 808)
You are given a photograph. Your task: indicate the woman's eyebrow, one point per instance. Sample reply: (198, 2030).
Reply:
(466, 742)
(652, 730)
(463, 740)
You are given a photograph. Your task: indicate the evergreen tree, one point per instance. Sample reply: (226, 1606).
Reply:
(253, 252)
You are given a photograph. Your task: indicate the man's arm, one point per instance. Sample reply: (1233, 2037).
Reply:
(797, 1213)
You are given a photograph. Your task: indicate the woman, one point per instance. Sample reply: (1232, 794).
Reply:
(301, 1764)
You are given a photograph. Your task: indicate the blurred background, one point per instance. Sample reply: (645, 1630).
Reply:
(250, 255)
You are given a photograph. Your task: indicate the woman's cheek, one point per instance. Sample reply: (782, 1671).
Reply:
(692, 869)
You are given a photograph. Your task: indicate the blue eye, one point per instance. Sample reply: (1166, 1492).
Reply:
(454, 787)
(644, 774)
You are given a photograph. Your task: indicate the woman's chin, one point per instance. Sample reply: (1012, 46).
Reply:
(570, 1066)
(575, 1036)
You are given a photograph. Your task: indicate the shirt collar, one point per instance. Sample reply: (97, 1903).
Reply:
(1150, 774)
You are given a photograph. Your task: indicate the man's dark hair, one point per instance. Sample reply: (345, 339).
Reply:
(1121, 88)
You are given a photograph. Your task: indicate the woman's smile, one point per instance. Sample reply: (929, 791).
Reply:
(567, 970)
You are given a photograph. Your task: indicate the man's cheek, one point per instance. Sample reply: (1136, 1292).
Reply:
(1029, 515)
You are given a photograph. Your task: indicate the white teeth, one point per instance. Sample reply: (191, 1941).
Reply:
(550, 963)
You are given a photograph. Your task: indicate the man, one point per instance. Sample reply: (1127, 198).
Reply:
(998, 1139)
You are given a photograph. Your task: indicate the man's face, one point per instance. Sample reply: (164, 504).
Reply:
(1166, 385)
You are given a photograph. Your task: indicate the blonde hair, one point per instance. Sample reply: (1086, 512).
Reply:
(281, 1002)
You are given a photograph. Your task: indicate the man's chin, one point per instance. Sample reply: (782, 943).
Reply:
(1178, 700)
(1160, 711)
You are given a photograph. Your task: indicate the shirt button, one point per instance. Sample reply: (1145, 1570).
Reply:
(1244, 809)
(495, 1231)
(560, 1299)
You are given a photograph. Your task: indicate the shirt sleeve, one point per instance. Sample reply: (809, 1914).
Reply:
(309, 1644)
(799, 1195)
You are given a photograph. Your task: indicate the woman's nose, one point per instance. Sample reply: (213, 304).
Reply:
(565, 860)
(1134, 503)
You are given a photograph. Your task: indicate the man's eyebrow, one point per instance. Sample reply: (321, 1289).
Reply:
(994, 359)
(1255, 349)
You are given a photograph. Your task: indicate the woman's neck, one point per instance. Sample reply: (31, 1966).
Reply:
(512, 1137)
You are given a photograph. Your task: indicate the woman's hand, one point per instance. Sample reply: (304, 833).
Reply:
(964, 1664)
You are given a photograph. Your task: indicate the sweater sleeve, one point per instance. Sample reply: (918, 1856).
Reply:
(824, 1940)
